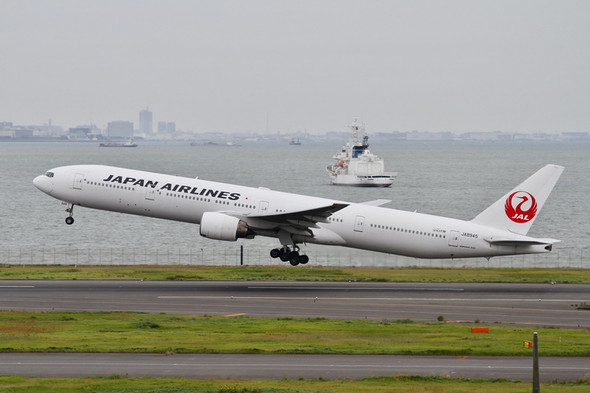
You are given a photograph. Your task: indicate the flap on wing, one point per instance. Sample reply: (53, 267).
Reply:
(376, 202)
(318, 214)
(295, 222)
(525, 241)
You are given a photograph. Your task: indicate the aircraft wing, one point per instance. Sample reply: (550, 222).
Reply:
(376, 202)
(296, 222)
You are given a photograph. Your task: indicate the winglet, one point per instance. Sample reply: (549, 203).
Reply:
(517, 210)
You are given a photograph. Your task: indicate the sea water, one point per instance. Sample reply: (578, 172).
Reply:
(453, 179)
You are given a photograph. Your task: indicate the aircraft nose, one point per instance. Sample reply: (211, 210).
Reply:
(43, 183)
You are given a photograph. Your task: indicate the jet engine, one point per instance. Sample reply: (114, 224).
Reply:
(220, 226)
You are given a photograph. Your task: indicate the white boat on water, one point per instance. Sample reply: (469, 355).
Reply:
(129, 143)
(355, 165)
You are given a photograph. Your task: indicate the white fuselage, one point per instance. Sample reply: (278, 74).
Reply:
(357, 225)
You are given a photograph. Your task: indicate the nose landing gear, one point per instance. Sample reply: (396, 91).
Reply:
(70, 218)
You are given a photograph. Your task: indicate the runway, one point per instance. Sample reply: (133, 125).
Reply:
(510, 304)
(516, 304)
(288, 366)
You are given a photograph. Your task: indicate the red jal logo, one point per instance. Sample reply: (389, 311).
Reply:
(521, 207)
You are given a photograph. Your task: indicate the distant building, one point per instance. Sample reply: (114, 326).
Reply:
(429, 136)
(5, 125)
(171, 127)
(166, 127)
(6, 133)
(145, 122)
(575, 136)
(79, 132)
(120, 129)
(17, 133)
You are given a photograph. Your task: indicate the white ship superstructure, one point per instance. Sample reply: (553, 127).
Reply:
(355, 165)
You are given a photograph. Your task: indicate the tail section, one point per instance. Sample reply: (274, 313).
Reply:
(517, 210)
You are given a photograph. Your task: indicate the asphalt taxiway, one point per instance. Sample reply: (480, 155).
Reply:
(288, 366)
(519, 304)
(534, 305)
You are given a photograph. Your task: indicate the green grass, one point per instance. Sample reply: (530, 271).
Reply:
(168, 333)
(164, 333)
(299, 273)
(400, 384)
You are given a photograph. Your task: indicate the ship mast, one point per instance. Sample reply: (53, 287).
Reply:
(355, 126)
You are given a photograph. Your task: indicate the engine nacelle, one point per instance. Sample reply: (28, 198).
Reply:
(220, 226)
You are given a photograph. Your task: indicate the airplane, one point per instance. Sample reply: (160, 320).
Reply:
(229, 212)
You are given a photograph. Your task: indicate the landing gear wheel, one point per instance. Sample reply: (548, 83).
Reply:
(285, 255)
(288, 254)
(70, 209)
(293, 258)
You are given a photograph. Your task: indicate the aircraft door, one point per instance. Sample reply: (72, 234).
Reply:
(263, 209)
(454, 238)
(359, 223)
(150, 194)
(78, 180)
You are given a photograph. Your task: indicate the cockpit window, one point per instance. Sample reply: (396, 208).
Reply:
(49, 174)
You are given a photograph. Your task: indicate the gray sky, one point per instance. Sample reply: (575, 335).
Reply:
(305, 65)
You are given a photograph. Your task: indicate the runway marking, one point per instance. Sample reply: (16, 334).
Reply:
(17, 286)
(364, 289)
(438, 299)
(284, 365)
(235, 315)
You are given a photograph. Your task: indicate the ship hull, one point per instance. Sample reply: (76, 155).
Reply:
(361, 181)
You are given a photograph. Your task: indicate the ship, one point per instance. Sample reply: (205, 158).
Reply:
(214, 144)
(354, 165)
(129, 143)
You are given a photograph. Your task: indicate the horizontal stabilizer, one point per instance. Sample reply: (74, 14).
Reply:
(516, 242)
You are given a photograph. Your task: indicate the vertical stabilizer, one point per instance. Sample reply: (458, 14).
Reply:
(517, 210)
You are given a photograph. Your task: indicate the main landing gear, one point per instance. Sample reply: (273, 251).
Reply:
(290, 251)
(70, 218)
(287, 255)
